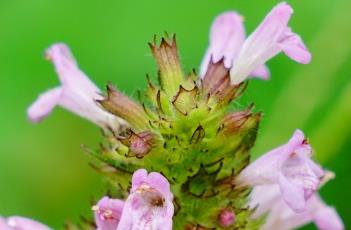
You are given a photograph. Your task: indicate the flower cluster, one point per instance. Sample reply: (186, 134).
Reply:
(199, 156)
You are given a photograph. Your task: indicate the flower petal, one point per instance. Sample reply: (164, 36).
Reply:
(226, 38)
(139, 178)
(290, 167)
(265, 170)
(3, 224)
(22, 223)
(292, 194)
(43, 106)
(327, 218)
(160, 183)
(150, 203)
(293, 46)
(107, 213)
(67, 68)
(262, 199)
(261, 72)
(76, 93)
(262, 44)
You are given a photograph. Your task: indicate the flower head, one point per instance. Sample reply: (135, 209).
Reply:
(107, 213)
(149, 204)
(290, 167)
(21, 223)
(77, 92)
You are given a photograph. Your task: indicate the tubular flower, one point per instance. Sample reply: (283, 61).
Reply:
(227, 36)
(107, 213)
(290, 167)
(271, 37)
(149, 204)
(247, 57)
(21, 223)
(77, 92)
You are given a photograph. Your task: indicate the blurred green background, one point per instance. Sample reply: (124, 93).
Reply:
(43, 172)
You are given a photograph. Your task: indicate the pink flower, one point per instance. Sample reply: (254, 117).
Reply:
(76, 93)
(227, 36)
(21, 223)
(280, 216)
(247, 57)
(271, 37)
(149, 205)
(290, 168)
(107, 213)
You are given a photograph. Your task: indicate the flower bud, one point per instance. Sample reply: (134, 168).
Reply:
(226, 218)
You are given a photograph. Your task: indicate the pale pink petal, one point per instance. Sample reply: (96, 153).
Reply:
(76, 93)
(290, 168)
(262, 199)
(261, 72)
(262, 44)
(327, 218)
(293, 46)
(67, 68)
(281, 217)
(159, 182)
(265, 170)
(45, 103)
(3, 224)
(107, 213)
(139, 178)
(292, 194)
(127, 219)
(270, 38)
(226, 38)
(149, 205)
(22, 223)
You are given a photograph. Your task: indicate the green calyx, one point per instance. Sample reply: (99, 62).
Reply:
(186, 131)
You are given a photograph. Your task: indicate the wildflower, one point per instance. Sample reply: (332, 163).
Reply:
(271, 37)
(77, 92)
(247, 58)
(227, 36)
(290, 167)
(149, 204)
(107, 213)
(21, 223)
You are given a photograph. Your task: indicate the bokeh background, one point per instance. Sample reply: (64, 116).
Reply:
(43, 172)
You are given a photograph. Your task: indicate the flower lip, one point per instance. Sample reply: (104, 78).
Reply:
(149, 204)
(290, 167)
(77, 93)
